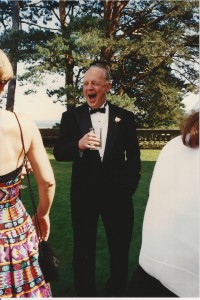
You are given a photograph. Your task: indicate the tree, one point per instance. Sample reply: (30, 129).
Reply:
(151, 48)
(12, 83)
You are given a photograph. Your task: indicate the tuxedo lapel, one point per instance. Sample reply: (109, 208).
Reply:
(113, 129)
(83, 118)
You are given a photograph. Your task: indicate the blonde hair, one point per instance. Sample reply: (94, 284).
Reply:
(6, 70)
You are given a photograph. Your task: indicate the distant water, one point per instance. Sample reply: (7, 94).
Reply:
(46, 123)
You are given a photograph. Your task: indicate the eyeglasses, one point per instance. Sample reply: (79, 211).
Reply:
(3, 82)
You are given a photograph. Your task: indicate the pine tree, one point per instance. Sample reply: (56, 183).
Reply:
(150, 47)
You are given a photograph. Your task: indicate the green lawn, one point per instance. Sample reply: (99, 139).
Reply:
(61, 238)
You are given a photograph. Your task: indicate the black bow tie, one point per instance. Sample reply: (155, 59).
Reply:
(101, 110)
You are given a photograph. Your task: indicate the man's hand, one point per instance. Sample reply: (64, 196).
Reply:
(89, 141)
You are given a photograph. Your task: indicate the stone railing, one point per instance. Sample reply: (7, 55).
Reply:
(148, 138)
(155, 138)
(49, 136)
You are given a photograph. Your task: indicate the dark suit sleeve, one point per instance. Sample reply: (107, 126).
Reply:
(131, 173)
(66, 147)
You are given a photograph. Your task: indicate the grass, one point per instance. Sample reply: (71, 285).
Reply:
(61, 238)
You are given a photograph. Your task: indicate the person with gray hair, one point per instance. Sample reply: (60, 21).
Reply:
(105, 175)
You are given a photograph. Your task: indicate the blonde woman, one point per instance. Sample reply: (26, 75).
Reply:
(20, 273)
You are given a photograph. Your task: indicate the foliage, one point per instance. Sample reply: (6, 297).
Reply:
(150, 47)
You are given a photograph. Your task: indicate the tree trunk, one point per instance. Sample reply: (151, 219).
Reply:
(112, 14)
(12, 84)
(69, 61)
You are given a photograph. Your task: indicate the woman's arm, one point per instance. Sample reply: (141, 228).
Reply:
(44, 176)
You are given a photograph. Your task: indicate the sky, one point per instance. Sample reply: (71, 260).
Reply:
(38, 106)
(191, 101)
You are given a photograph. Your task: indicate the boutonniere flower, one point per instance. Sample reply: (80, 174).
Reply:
(117, 120)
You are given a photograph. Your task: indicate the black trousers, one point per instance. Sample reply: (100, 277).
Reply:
(146, 286)
(118, 223)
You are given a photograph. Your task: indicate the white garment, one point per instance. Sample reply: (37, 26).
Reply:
(170, 238)
(100, 120)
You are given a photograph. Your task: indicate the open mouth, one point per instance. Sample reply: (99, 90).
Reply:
(92, 96)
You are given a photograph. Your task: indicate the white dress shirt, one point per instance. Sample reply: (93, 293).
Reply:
(100, 120)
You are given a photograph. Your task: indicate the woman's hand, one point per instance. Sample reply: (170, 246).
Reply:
(44, 223)
(29, 167)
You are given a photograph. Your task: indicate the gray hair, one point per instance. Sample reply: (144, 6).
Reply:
(104, 69)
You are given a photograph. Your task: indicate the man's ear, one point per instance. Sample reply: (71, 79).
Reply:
(109, 85)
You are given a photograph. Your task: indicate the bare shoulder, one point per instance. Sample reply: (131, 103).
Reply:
(26, 122)
(30, 132)
(9, 116)
(24, 118)
(8, 121)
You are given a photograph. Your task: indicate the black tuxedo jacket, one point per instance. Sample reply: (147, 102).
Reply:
(117, 176)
